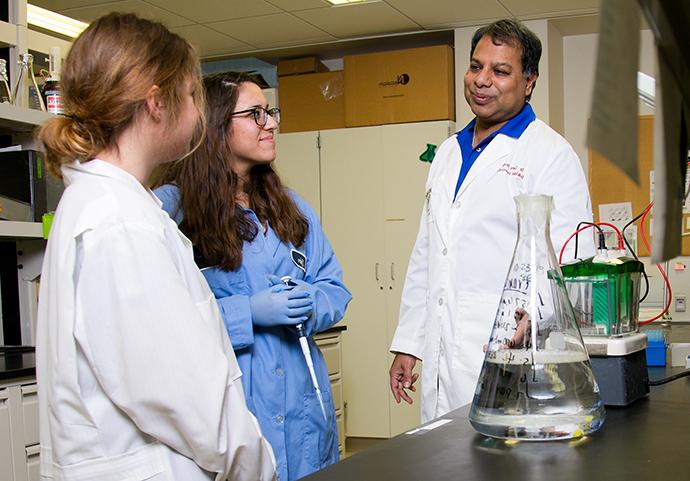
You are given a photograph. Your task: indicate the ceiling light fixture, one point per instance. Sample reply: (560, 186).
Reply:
(345, 2)
(45, 19)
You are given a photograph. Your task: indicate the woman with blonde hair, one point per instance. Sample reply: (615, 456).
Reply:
(137, 378)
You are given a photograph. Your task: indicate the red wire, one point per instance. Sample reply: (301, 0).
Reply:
(661, 269)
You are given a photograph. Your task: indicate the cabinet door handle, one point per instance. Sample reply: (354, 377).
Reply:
(392, 271)
(376, 271)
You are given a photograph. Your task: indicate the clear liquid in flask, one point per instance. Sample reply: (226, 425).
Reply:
(550, 398)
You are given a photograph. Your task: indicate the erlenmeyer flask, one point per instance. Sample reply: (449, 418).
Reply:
(536, 382)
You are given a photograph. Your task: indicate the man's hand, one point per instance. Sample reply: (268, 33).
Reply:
(521, 338)
(402, 377)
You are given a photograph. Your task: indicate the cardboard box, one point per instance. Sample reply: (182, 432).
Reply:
(400, 86)
(311, 102)
(300, 66)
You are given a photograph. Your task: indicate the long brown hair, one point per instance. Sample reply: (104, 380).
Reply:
(106, 76)
(213, 220)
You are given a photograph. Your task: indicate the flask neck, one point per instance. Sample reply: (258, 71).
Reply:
(534, 215)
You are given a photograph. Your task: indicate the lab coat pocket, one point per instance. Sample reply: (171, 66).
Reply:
(320, 436)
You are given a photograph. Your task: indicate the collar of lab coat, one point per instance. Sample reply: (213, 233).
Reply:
(497, 149)
(71, 172)
(498, 144)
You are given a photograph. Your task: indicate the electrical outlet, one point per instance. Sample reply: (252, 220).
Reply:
(680, 303)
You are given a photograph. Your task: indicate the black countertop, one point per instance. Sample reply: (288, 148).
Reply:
(17, 362)
(645, 441)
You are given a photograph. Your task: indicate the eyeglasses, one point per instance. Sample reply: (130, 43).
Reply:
(260, 115)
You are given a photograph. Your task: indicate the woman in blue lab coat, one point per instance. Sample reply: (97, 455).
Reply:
(249, 231)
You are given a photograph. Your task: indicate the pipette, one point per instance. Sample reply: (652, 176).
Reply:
(304, 344)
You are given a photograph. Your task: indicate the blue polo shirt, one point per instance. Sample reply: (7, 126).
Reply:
(513, 128)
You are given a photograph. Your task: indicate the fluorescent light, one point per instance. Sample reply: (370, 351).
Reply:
(345, 2)
(54, 22)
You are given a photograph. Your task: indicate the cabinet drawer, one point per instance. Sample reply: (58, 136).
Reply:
(5, 437)
(331, 354)
(33, 462)
(30, 414)
(337, 390)
(340, 422)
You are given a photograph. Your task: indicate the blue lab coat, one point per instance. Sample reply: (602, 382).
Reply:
(275, 378)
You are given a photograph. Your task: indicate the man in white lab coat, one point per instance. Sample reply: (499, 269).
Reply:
(468, 228)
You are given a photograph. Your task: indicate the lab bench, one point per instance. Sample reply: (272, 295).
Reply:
(645, 441)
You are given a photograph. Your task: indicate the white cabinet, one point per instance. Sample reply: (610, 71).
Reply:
(297, 163)
(6, 464)
(19, 445)
(370, 190)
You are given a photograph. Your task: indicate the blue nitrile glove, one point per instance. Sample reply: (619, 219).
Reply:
(305, 286)
(296, 284)
(280, 305)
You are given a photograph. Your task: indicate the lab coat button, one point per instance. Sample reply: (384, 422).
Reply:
(279, 419)
(440, 301)
(444, 251)
(280, 372)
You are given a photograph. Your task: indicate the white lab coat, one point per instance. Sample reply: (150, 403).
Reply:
(137, 379)
(464, 247)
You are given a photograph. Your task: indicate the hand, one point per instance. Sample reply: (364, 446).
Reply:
(521, 337)
(402, 378)
(280, 305)
(298, 285)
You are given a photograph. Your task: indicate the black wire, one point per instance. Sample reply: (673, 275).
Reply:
(628, 225)
(659, 382)
(601, 233)
(630, 249)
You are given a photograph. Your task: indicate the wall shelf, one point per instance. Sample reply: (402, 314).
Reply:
(15, 119)
(15, 230)
(8, 34)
